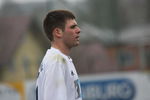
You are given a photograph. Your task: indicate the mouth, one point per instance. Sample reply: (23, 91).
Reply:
(77, 37)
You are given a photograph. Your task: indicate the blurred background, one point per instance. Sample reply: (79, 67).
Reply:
(113, 59)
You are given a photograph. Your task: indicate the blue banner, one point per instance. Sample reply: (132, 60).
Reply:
(116, 89)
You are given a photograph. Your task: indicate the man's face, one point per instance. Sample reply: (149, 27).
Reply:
(71, 33)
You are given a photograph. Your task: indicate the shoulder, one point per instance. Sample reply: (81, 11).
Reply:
(59, 58)
(54, 57)
(56, 63)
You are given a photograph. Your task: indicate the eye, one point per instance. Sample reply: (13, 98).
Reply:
(73, 26)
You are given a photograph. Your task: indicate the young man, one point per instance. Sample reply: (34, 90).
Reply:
(58, 79)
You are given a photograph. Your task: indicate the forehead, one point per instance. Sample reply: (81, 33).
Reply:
(70, 22)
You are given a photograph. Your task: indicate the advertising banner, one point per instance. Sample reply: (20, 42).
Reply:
(117, 86)
(12, 91)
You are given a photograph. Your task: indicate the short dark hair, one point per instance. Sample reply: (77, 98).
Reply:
(54, 19)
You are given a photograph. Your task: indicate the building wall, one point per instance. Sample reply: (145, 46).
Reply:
(26, 60)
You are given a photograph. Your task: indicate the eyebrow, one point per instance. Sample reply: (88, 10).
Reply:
(73, 26)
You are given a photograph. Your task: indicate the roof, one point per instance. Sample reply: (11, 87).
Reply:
(91, 32)
(136, 35)
(12, 29)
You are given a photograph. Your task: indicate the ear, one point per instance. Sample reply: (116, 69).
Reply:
(57, 32)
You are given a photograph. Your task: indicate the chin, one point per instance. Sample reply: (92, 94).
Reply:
(77, 44)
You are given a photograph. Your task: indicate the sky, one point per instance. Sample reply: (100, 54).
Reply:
(27, 1)
(24, 1)
(0, 3)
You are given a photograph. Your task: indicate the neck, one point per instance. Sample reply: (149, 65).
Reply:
(64, 49)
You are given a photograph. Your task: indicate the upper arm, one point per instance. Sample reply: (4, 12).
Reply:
(55, 85)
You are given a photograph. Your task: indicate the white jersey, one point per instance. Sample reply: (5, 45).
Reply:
(57, 79)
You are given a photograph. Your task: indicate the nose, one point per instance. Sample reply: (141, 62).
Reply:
(78, 30)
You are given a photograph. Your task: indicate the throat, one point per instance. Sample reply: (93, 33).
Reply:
(65, 50)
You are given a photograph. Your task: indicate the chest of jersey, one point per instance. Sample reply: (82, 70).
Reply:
(72, 80)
